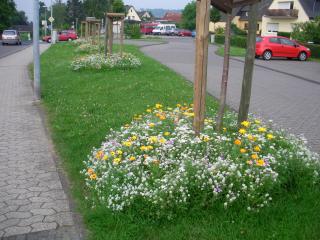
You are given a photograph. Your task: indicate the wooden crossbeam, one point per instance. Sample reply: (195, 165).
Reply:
(114, 14)
(221, 6)
(243, 3)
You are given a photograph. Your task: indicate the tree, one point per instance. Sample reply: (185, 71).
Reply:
(60, 13)
(215, 16)
(20, 18)
(96, 8)
(151, 14)
(75, 10)
(189, 14)
(118, 7)
(307, 31)
(7, 10)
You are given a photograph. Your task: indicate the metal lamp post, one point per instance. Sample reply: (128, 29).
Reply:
(51, 22)
(45, 18)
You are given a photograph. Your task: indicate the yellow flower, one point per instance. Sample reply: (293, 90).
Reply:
(143, 148)
(210, 121)
(225, 129)
(90, 171)
(249, 137)
(245, 123)
(151, 125)
(167, 133)
(127, 125)
(158, 105)
(257, 148)
(185, 113)
(255, 138)
(248, 162)
(260, 162)
(176, 111)
(160, 110)
(93, 176)
(205, 120)
(134, 137)
(162, 140)
(178, 105)
(256, 121)
(117, 160)
(214, 171)
(270, 136)
(132, 158)
(254, 156)
(119, 152)
(148, 110)
(169, 108)
(243, 131)
(192, 115)
(261, 129)
(153, 139)
(206, 139)
(242, 150)
(100, 152)
(127, 144)
(105, 158)
(150, 147)
(237, 142)
(112, 153)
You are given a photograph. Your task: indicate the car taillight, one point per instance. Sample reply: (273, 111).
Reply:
(2, 37)
(16, 36)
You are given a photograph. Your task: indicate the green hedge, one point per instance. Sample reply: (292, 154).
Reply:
(234, 40)
(315, 49)
(284, 34)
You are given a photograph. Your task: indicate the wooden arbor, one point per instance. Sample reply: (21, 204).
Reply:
(201, 52)
(91, 24)
(110, 18)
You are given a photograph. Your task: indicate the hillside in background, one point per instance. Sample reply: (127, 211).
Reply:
(160, 12)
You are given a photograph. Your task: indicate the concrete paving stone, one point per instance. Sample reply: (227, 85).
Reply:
(62, 218)
(21, 237)
(53, 185)
(28, 185)
(31, 220)
(38, 189)
(9, 223)
(58, 205)
(48, 168)
(1, 233)
(41, 199)
(10, 208)
(8, 197)
(2, 218)
(18, 202)
(30, 207)
(11, 186)
(12, 231)
(28, 195)
(35, 171)
(38, 227)
(43, 211)
(18, 215)
(3, 194)
(2, 183)
(48, 176)
(17, 190)
(26, 176)
(55, 194)
(43, 234)
(3, 205)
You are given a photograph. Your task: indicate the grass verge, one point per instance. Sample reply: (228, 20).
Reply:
(82, 106)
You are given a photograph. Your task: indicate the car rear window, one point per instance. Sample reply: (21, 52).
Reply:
(9, 33)
(259, 39)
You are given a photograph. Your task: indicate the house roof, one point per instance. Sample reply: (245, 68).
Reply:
(140, 14)
(172, 17)
(309, 9)
(128, 7)
(263, 5)
(21, 28)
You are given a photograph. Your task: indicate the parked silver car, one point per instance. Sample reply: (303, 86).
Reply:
(11, 36)
(174, 31)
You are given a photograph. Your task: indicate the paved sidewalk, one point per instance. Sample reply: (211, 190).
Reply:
(35, 201)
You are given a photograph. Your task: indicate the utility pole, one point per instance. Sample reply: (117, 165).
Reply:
(36, 55)
(45, 18)
(77, 27)
(51, 22)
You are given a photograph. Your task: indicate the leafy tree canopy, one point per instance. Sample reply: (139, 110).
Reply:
(307, 31)
(75, 10)
(118, 7)
(7, 10)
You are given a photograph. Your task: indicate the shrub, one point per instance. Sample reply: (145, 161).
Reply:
(284, 34)
(315, 49)
(237, 41)
(307, 31)
(220, 30)
(132, 31)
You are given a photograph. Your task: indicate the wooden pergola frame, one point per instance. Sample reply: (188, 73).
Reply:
(91, 23)
(110, 18)
(201, 52)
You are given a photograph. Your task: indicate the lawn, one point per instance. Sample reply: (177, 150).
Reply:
(81, 107)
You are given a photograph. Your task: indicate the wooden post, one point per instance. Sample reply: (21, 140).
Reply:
(106, 37)
(248, 65)
(87, 33)
(224, 81)
(98, 33)
(93, 33)
(121, 36)
(110, 35)
(81, 31)
(201, 62)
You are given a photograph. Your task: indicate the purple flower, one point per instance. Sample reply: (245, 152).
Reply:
(208, 165)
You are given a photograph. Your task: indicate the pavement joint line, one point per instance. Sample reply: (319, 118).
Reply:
(16, 51)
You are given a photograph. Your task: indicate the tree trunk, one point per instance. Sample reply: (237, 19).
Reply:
(223, 94)
(249, 63)
(106, 37)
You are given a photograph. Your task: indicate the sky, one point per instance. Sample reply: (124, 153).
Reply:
(27, 5)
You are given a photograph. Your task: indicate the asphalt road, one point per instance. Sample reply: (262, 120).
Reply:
(6, 50)
(284, 91)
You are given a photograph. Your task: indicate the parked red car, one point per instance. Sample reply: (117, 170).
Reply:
(275, 46)
(63, 36)
(184, 32)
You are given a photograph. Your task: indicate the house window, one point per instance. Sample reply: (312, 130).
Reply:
(129, 17)
(273, 27)
(246, 26)
(292, 26)
(131, 10)
(132, 17)
(285, 5)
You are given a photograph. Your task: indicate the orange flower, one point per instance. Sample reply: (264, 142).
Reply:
(257, 148)
(151, 125)
(132, 158)
(163, 113)
(254, 156)
(127, 125)
(97, 156)
(237, 142)
(214, 171)
(90, 171)
(242, 150)
(93, 176)
(162, 117)
(158, 114)
(183, 108)
(191, 104)
(145, 156)
(156, 162)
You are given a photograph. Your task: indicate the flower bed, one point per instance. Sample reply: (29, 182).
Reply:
(98, 61)
(89, 48)
(156, 164)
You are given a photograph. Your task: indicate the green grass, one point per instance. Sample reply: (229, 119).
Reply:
(82, 106)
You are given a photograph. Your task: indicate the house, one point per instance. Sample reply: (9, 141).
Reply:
(132, 14)
(144, 15)
(283, 15)
(240, 16)
(171, 17)
(22, 28)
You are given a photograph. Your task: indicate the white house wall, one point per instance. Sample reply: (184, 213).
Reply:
(284, 23)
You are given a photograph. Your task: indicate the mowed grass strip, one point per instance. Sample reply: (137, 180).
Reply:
(82, 106)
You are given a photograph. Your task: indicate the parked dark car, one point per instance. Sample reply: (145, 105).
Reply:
(274, 46)
(184, 32)
(11, 36)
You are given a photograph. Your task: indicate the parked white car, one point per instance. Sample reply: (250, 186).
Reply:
(162, 28)
(11, 36)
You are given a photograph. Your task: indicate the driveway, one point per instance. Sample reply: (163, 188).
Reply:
(285, 91)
